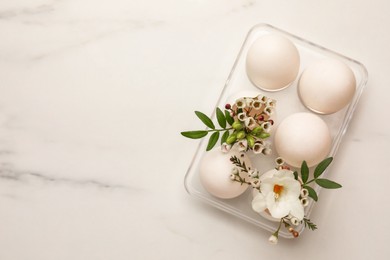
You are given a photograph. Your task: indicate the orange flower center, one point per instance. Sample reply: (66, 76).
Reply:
(278, 189)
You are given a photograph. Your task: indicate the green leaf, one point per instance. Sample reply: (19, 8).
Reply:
(228, 117)
(304, 172)
(212, 141)
(194, 134)
(309, 224)
(224, 136)
(321, 167)
(328, 184)
(312, 192)
(296, 175)
(221, 118)
(205, 119)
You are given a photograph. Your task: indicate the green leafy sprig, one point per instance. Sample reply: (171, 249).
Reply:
(241, 165)
(237, 162)
(318, 171)
(309, 224)
(224, 120)
(236, 129)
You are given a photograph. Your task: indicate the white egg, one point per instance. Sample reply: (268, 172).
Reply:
(215, 170)
(272, 62)
(303, 136)
(327, 86)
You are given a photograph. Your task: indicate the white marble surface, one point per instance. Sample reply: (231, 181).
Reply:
(93, 95)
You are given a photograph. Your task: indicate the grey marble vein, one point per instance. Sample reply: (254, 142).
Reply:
(15, 175)
(121, 26)
(26, 11)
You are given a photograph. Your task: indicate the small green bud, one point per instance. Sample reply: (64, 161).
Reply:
(264, 135)
(251, 141)
(237, 125)
(241, 135)
(231, 138)
(257, 130)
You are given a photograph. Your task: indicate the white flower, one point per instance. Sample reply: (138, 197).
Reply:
(271, 102)
(294, 221)
(256, 104)
(235, 171)
(280, 195)
(268, 110)
(266, 151)
(241, 116)
(304, 192)
(273, 239)
(240, 103)
(258, 148)
(249, 102)
(253, 173)
(279, 161)
(266, 126)
(226, 147)
(242, 145)
(255, 183)
(262, 98)
(305, 202)
(250, 123)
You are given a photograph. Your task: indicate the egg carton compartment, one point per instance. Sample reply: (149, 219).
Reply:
(288, 102)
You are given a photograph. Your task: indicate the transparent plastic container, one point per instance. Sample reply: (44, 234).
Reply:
(288, 102)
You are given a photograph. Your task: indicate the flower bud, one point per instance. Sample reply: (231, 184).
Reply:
(256, 130)
(231, 138)
(241, 135)
(273, 239)
(251, 141)
(237, 125)
(263, 135)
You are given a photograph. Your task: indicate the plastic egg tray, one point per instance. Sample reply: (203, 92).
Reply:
(288, 102)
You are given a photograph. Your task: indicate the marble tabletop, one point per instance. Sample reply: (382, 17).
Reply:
(93, 95)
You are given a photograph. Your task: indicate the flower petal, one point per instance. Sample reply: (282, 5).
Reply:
(297, 209)
(278, 209)
(259, 203)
